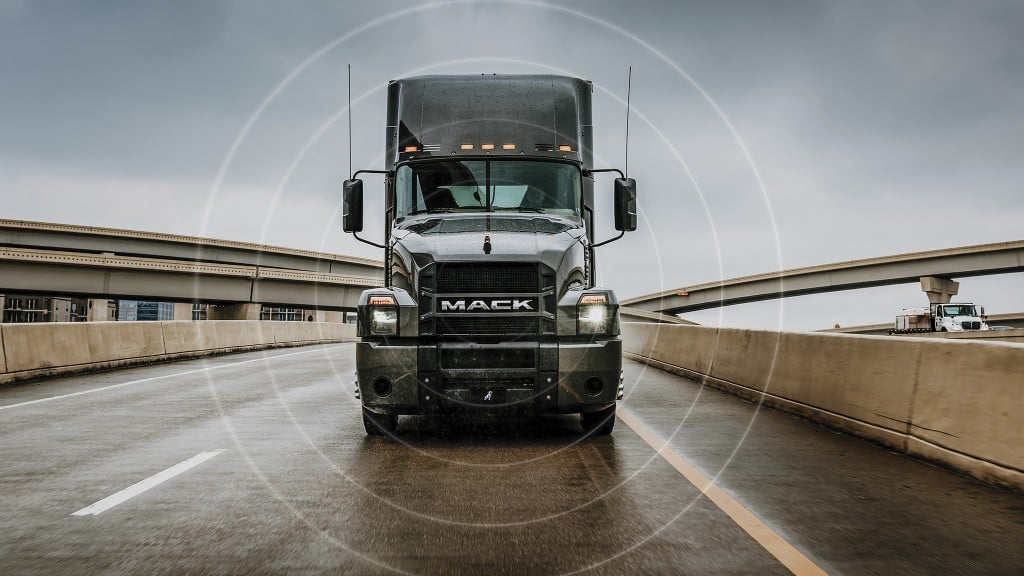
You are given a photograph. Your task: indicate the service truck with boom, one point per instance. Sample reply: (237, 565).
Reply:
(490, 298)
(958, 317)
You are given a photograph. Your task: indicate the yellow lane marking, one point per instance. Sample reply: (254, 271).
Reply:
(776, 545)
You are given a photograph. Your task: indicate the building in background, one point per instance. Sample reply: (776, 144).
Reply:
(144, 311)
(266, 313)
(24, 308)
(127, 310)
(284, 314)
(155, 311)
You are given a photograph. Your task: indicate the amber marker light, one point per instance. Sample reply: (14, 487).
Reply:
(593, 299)
(508, 146)
(411, 148)
(564, 148)
(487, 146)
(466, 146)
(382, 301)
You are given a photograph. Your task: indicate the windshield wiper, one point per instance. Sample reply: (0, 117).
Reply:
(430, 211)
(520, 209)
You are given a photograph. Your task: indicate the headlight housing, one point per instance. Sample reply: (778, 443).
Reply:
(383, 315)
(593, 314)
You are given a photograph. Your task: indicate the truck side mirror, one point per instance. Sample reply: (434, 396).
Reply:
(352, 206)
(983, 311)
(625, 204)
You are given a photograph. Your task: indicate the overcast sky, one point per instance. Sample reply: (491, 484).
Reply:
(765, 134)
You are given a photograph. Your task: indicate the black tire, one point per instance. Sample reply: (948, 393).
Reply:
(598, 423)
(379, 424)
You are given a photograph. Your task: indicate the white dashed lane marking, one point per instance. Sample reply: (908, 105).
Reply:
(140, 487)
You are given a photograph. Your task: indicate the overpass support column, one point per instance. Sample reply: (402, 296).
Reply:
(99, 310)
(314, 315)
(183, 311)
(244, 311)
(939, 290)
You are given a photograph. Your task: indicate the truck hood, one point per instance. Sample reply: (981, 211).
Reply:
(513, 237)
(962, 319)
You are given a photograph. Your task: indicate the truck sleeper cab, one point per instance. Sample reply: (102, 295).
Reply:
(490, 298)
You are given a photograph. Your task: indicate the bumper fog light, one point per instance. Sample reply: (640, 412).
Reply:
(381, 387)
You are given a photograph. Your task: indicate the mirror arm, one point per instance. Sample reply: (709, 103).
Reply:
(610, 240)
(365, 241)
(588, 172)
(356, 234)
(354, 176)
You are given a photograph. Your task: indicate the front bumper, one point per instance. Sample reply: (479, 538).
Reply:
(540, 377)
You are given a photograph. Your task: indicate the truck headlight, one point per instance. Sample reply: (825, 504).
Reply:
(383, 316)
(593, 314)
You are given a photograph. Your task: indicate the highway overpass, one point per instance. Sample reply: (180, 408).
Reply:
(938, 266)
(109, 263)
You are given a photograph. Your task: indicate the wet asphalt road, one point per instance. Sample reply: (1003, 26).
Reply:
(299, 488)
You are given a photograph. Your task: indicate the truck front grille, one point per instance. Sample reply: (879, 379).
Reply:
(486, 281)
(487, 278)
(510, 327)
(971, 325)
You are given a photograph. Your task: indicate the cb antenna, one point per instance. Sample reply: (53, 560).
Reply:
(350, 122)
(629, 87)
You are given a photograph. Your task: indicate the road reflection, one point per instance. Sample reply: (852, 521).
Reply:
(467, 492)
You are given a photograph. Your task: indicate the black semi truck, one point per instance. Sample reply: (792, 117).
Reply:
(490, 299)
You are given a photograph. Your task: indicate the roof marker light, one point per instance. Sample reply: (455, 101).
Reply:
(411, 149)
(508, 146)
(564, 148)
(487, 146)
(466, 146)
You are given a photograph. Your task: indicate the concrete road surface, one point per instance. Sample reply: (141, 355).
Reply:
(257, 463)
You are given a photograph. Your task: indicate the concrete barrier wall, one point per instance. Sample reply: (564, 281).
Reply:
(1014, 335)
(957, 402)
(41, 350)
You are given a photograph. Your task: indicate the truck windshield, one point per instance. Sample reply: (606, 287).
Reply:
(958, 311)
(488, 186)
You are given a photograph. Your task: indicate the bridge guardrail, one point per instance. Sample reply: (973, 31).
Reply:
(29, 351)
(955, 402)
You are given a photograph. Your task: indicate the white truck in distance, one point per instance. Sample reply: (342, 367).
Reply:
(959, 317)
